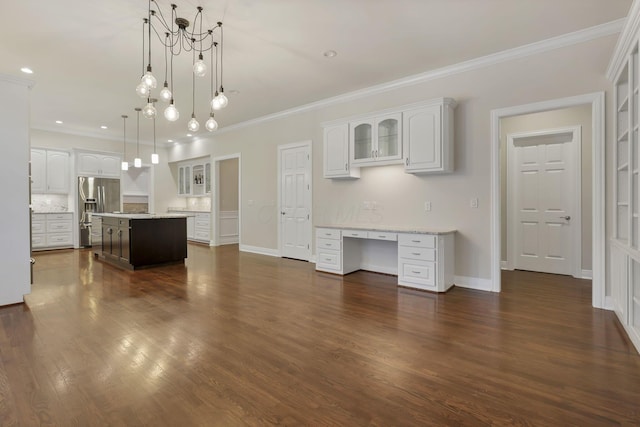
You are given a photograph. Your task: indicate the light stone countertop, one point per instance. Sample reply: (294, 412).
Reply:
(389, 228)
(141, 216)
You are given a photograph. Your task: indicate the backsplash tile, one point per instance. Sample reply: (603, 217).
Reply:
(49, 202)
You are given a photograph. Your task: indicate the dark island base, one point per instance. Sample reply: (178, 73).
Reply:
(133, 244)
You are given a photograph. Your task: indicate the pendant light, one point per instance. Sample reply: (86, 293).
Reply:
(154, 157)
(165, 93)
(125, 164)
(211, 123)
(137, 162)
(193, 124)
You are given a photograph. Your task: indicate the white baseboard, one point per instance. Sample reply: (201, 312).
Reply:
(313, 259)
(259, 250)
(586, 274)
(608, 303)
(228, 240)
(504, 265)
(473, 283)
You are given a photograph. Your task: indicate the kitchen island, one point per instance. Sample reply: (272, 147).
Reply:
(134, 241)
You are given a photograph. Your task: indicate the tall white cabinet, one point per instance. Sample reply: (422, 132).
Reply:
(14, 172)
(625, 245)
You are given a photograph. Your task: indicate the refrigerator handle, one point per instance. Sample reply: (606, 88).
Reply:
(98, 200)
(103, 199)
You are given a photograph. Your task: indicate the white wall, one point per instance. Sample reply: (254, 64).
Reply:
(558, 73)
(14, 174)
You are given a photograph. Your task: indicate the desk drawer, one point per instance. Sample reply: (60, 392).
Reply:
(422, 273)
(360, 234)
(419, 240)
(328, 233)
(421, 254)
(382, 235)
(328, 244)
(330, 260)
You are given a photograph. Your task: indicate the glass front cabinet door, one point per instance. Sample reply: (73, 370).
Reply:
(376, 140)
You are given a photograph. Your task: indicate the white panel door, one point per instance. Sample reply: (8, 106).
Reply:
(295, 202)
(544, 194)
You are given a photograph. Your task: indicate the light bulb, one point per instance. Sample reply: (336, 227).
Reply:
(222, 100)
(125, 166)
(149, 111)
(215, 103)
(171, 113)
(165, 93)
(211, 124)
(142, 90)
(155, 159)
(199, 68)
(149, 80)
(137, 162)
(193, 124)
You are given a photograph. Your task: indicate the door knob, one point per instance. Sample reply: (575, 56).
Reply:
(282, 213)
(566, 218)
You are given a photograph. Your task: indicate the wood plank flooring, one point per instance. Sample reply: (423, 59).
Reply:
(241, 339)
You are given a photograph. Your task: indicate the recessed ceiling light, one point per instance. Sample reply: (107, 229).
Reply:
(330, 53)
(103, 127)
(189, 134)
(169, 140)
(26, 70)
(59, 122)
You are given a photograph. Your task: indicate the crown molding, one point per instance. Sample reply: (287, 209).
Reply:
(17, 80)
(569, 39)
(626, 39)
(92, 135)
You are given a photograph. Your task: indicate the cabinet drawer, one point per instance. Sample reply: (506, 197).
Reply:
(422, 273)
(59, 239)
(419, 240)
(201, 235)
(203, 216)
(38, 227)
(328, 233)
(38, 217)
(55, 226)
(328, 244)
(328, 260)
(38, 241)
(382, 235)
(421, 254)
(60, 217)
(361, 234)
(202, 223)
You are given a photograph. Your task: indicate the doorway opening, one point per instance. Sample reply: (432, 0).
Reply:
(597, 167)
(227, 195)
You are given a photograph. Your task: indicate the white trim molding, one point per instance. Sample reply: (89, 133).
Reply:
(473, 283)
(228, 223)
(597, 102)
(586, 274)
(259, 250)
(627, 38)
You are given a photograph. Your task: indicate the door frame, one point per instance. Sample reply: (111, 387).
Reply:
(308, 144)
(215, 189)
(550, 135)
(597, 102)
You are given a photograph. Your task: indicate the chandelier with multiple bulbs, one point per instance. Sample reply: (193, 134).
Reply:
(176, 39)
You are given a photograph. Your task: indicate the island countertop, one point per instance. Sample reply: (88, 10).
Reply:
(141, 215)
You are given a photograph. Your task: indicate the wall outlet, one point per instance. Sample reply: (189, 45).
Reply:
(473, 202)
(427, 206)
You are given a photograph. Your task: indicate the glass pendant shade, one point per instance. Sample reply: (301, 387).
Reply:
(211, 124)
(155, 159)
(149, 80)
(193, 124)
(222, 100)
(165, 93)
(125, 166)
(137, 162)
(199, 68)
(149, 111)
(171, 113)
(215, 103)
(142, 90)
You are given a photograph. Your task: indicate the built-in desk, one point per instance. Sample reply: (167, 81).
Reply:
(422, 259)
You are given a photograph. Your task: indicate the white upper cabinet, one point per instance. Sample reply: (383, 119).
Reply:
(98, 165)
(49, 171)
(336, 153)
(194, 177)
(376, 141)
(428, 138)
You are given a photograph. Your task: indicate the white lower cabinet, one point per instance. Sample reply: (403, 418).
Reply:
(202, 227)
(51, 230)
(424, 260)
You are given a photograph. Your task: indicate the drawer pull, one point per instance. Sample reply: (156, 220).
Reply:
(415, 241)
(327, 234)
(415, 253)
(382, 236)
(415, 272)
(328, 259)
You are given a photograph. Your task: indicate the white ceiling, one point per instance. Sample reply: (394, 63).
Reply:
(87, 55)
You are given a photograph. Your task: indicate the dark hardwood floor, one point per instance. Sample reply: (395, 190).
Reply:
(242, 339)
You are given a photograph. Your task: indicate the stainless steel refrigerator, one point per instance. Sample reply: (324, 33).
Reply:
(95, 195)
